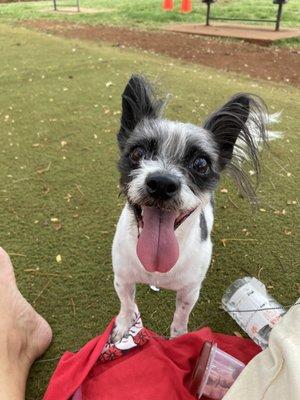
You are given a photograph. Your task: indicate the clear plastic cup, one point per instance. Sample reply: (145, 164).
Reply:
(253, 308)
(215, 372)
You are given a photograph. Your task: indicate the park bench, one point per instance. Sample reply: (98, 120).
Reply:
(276, 21)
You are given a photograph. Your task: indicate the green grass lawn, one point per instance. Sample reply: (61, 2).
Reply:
(59, 112)
(149, 13)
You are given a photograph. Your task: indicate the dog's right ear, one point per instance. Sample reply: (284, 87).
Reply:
(138, 102)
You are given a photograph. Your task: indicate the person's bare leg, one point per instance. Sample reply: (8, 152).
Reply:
(24, 334)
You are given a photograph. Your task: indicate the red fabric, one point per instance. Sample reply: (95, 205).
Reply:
(160, 369)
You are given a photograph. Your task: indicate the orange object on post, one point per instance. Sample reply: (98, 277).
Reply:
(186, 6)
(168, 5)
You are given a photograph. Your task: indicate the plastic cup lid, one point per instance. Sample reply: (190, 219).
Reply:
(200, 367)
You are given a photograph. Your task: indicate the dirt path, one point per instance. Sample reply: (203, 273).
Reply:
(277, 64)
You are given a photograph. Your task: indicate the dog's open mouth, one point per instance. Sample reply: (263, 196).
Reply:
(157, 246)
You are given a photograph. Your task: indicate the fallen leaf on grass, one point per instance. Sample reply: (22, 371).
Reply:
(246, 232)
(78, 187)
(57, 227)
(41, 171)
(224, 241)
(278, 212)
(238, 334)
(68, 197)
(17, 254)
(31, 269)
(46, 190)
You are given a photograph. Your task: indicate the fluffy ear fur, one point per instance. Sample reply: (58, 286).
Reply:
(138, 102)
(239, 128)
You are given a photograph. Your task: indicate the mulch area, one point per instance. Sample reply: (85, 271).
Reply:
(273, 64)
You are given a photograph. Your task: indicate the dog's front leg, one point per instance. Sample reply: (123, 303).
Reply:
(126, 316)
(185, 300)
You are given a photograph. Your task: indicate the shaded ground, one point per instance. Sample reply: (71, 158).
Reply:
(59, 112)
(276, 64)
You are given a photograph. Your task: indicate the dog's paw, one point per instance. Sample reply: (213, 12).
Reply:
(177, 330)
(118, 333)
(122, 328)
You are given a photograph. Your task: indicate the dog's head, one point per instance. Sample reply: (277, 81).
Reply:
(168, 169)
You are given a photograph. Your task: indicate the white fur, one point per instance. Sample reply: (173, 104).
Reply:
(270, 119)
(185, 277)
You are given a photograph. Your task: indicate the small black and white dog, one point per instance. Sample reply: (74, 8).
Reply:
(169, 172)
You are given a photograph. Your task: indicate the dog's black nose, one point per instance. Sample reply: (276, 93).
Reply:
(162, 186)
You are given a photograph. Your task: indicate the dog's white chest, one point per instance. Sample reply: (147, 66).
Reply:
(191, 266)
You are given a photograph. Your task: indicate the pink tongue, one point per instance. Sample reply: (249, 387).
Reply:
(157, 246)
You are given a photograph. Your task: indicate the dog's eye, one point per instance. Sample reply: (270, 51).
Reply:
(137, 154)
(200, 165)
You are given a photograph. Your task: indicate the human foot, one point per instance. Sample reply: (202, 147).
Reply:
(24, 334)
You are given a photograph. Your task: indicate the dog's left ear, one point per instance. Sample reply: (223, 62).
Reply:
(239, 129)
(227, 123)
(138, 102)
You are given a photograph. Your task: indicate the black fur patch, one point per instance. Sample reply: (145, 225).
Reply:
(125, 165)
(138, 102)
(213, 201)
(199, 182)
(203, 227)
(235, 120)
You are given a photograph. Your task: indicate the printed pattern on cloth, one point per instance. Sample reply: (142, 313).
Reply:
(137, 336)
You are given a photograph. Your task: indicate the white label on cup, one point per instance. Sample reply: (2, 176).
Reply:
(246, 298)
